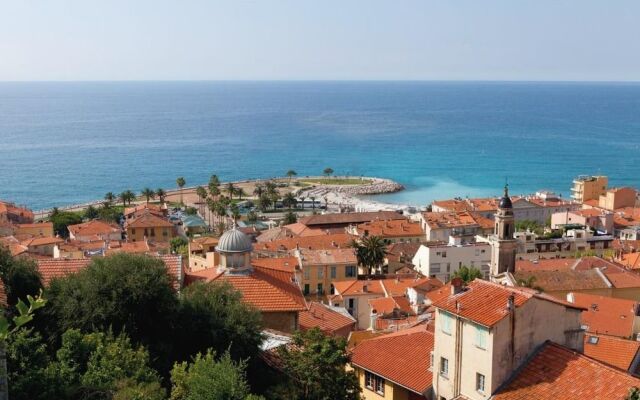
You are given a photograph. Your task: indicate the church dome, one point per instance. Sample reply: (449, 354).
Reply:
(234, 241)
(505, 201)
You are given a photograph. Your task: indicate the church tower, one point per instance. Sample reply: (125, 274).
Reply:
(503, 245)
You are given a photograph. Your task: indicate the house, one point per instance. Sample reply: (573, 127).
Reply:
(41, 229)
(485, 331)
(463, 224)
(193, 224)
(596, 219)
(617, 198)
(556, 372)
(334, 321)
(149, 226)
(202, 253)
(77, 249)
(43, 246)
(617, 352)
(441, 261)
(586, 188)
(392, 231)
(136, 210)
(608, 315)
(396, 365)
(320, 242)
(399, 256)
(10, 212)
(94, 230)
(274, 291)
(338, 222)
(575, 240)
(320, 268)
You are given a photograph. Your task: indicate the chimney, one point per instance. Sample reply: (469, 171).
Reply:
(456, 285)
(373, 319)
(511, 303)
(364, 288)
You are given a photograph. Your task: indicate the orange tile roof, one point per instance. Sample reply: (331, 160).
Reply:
(552, 264)
(266, 289)
(148, 220)
(335, 240)
(325, 318)
(478, 204)
(58, 268)
(607, 315)
(615, 273)
(75, 245)
(348, 218)
(328, 256)
(567, 280)
(173, 262)
(555, 372)
(300, 229)
(439, 220)
(439, 293)
(357, 287)
(611, 350)
(42, 241)
(386, 305)
(391, 228)
(398, 286)
(485, 302)
(130, 247)
(287, 264)
(626, 217)
(402, 357)
(402, 249)
(93, 227)
(631, 260)
(48, 225)
(152, 208)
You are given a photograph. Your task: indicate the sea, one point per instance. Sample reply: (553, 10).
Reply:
(66, 143)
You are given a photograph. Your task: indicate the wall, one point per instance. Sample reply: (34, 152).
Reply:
(312, 279)
(45, 229)
(161, 234)
(281, 321)
(391, 391)
(427, 259)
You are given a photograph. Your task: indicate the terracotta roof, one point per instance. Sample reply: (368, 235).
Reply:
(555, 372)
(148, 220)
(76, 245)
(349, 218)
(439, 293)
(387, 287)
(329, 241)
(287, 264)
(328, 256)
(611, 350)
(568, 280)
(57, 268)
(391, 228)
(48, 225)
(402, 249)
(300, 229)
(552, 264)
(402, 357)
(631, 260)
(325, 318)
(615, 273)
(477, 204)
(440, 220)
(626, 217)
(485, 302)
(130, 247)
(266, 289)
(277, 233)
(42, 241)
(173, 262)
(607, 315)
(386, 305)
(93, 227)
(357, 287)
(141, 208)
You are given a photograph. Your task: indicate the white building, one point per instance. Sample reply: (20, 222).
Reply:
(441, 261)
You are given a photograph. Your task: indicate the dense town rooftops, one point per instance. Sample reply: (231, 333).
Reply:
(349, 218)
(391, 228)
(287, 264)
(148, 220)
(402, 250)
(607, 315)
(630, 260)
(387, 287)
(300, 229)
(15, 213)
(401, 357)
(42, 241)
(142, 208)
(551, 264)
(485, 303)
(328, 256)
(439, 220)
(328, 241)
(328, 319)
(93, 227)
(565, 280)
(615, 351)
(555, 372)
(626, 217)
(386, 305)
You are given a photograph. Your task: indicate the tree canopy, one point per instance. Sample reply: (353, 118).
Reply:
(468, 274)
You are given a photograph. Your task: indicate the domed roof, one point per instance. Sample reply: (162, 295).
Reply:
(505, 201)
(234, 241)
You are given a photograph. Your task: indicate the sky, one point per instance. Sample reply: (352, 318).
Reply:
(578, 40)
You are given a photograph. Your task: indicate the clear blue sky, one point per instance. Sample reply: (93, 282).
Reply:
(319, 39)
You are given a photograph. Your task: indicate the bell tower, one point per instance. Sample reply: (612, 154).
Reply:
(503, 245)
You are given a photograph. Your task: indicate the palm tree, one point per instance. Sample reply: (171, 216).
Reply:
(289, 200)
(235, 212)
(290, 218)
(258, 190)
(130, 196)
(264, 202)
(252, 217)
(211, 206)
(123, 198)
(148, 194)
(240, 192)
(313, 202)
(231, 189)
(221, 210)
(302, 199)
(109, 197)
(201, 192)
(467, 274)
(161, 194)
(370, 252)
(181, 182)
(327, 172)
(291, 173)
(214, 185)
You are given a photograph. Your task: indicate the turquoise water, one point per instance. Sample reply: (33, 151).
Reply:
(65, 143)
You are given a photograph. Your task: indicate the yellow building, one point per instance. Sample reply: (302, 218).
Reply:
(587, 188)
(320, 268)
(616, 198)
(150, 227)
(38, 229)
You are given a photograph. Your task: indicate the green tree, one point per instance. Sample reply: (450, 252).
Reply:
(126, 197)
(177, 242)
(529, 225)
(231, 189)
(92, 213)
(161, 194)
(181, 182)
(291, 173)
(328, 172)
(252, 217)
(290, 218)
(110, 213)
(258, 190)
(315, 364)
(20, 276)
(207, 378)
(634, 394)
(213, 315)
(62, 219)
(27, 361)
(235, 212)
(148, 194)
(240, 192)
(124, 292)
(201, 192)
(313, 202)
(289, 200)
(467, 274)
(264, 202)
(110, 197)
(370, 252)
(529, 282)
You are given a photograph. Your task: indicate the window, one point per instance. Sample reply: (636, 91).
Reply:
(333, 289)
(164, 232)
(445, 323)
(306, 288)
(444, 367)
(153, 232)
(351, 303)
(320, 289)
(434, 268)
(448, 267)
(477, 252)
(481, 337)
(593, 340)
(444, 254)
(333, 273)
(480, 383)
(307, 273)
(350, 271)
(320, 272)
(133, 231)
(374, 382)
